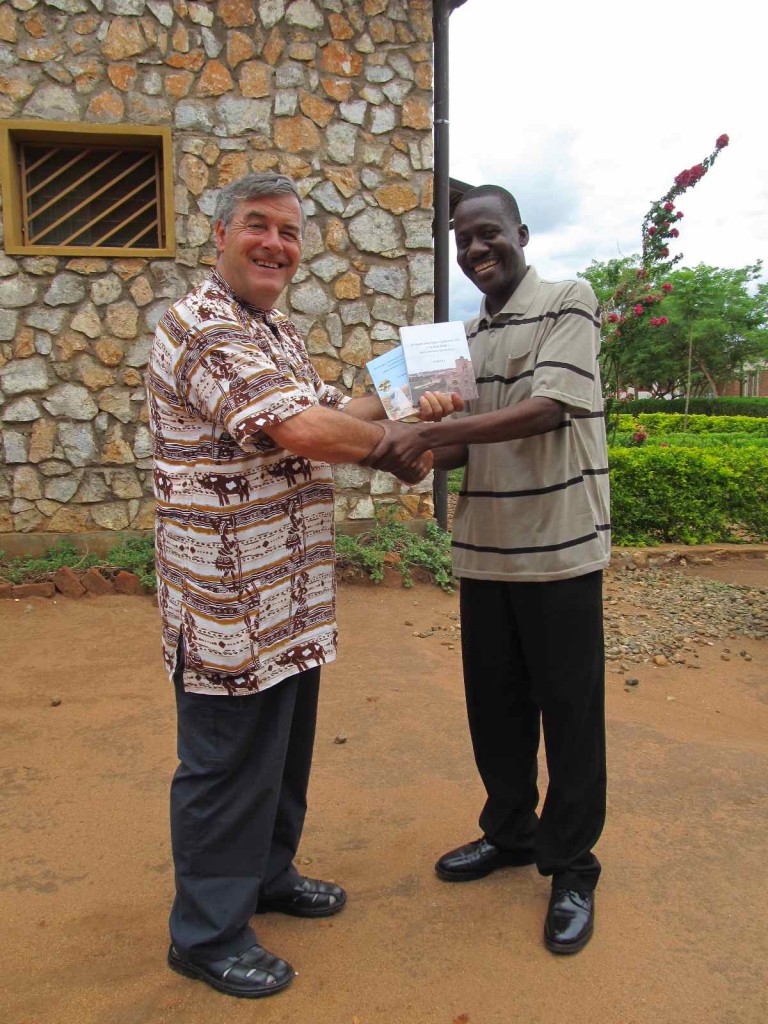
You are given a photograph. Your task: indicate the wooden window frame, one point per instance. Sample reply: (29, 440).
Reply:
(128, 137)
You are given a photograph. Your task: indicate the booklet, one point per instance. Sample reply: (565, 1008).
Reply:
(390, 378)
(437, 359)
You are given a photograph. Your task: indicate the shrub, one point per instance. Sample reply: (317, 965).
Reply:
(672, 423)
(728, 406)
(688, 495)
(625, 439)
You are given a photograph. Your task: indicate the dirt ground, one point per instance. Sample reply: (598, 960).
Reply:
(86, 878)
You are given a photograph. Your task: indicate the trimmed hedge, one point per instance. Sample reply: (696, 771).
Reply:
(626, 439)
(664, 423)
(688, 495)
(701, 406)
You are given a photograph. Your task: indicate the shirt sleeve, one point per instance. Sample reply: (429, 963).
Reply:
(566, 364)
(226, 376)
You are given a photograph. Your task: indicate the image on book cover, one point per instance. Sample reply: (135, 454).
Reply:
(437, 359)
(390, 378)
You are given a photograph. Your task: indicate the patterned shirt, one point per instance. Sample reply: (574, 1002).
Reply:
(244, 532)
(537, 508)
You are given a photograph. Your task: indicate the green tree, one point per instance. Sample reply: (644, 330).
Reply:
(718, 322)
(715, 319)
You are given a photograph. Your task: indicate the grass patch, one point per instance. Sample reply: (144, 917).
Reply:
(455, 477)
(389, 544)
(134, 555)
(34, 570)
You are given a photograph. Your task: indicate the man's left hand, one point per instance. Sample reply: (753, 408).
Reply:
(434, 405)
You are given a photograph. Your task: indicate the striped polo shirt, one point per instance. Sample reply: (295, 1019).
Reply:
(537, 508)
(244, 537)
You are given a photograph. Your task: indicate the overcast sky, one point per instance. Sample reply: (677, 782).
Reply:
(586, 112)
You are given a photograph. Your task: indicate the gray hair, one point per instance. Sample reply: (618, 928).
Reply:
(254, 186)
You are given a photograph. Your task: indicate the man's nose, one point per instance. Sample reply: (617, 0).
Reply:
(477, 247)
(271, 239)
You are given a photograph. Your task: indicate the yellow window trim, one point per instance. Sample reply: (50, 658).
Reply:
(13, 132)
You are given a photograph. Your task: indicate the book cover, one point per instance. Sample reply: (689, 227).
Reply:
(390, 378)
(437, 359)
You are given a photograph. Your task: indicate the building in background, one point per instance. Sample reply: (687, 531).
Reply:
(120, 121)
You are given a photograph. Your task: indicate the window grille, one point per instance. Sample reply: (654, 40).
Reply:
(98, 191)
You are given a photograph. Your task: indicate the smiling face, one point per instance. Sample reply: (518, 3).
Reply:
(260, 248)
(489, 248)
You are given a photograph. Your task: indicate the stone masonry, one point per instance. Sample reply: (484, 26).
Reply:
(336, 93)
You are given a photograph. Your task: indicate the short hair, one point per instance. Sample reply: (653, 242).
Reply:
(254, 186)
(507, 200)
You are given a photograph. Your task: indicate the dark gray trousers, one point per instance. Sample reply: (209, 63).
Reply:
(534, 657)
(238, 801)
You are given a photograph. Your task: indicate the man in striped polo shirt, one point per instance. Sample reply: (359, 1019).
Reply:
(531, 538)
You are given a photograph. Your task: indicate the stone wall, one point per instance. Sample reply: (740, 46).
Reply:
(336, 93)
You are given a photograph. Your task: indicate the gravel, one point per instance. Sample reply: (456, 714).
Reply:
(660, 617)
(652, 615)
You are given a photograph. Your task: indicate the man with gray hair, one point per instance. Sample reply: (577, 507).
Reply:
(244, 434)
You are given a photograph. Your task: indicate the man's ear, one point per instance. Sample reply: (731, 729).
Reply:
(220, 232)
(523, 235)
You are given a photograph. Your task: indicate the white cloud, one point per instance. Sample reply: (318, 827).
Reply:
(587, 112)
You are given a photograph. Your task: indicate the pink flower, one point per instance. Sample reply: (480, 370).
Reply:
(664, 251)
(613, 318)
(651, 232)
(722, 142)
(697, 171)
(669, 207)
(674, 233)
(663, 320)
(667, 287)
(679, 214)
(638, 310)
(655, 321)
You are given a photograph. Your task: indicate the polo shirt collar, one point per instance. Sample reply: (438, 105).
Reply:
(519, 301)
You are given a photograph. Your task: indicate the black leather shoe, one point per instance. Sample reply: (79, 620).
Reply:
(570, 920)
(309, 898)
(478, 859)
(250, 974)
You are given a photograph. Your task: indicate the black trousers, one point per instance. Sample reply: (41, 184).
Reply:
(238, 801)
(533, 656)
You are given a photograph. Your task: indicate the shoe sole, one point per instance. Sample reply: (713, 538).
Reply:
(567, 948)
(190, 971)
(473, 876)
(297, 912)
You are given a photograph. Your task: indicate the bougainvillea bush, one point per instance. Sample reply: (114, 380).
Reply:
(632, 290)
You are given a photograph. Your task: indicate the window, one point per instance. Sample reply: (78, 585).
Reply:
(87, 190)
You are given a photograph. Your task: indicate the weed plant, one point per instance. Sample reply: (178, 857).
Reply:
(390, 544)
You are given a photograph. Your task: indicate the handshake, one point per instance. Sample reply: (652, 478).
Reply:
(401, 451)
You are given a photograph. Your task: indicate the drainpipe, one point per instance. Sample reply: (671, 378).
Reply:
(441, 12)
